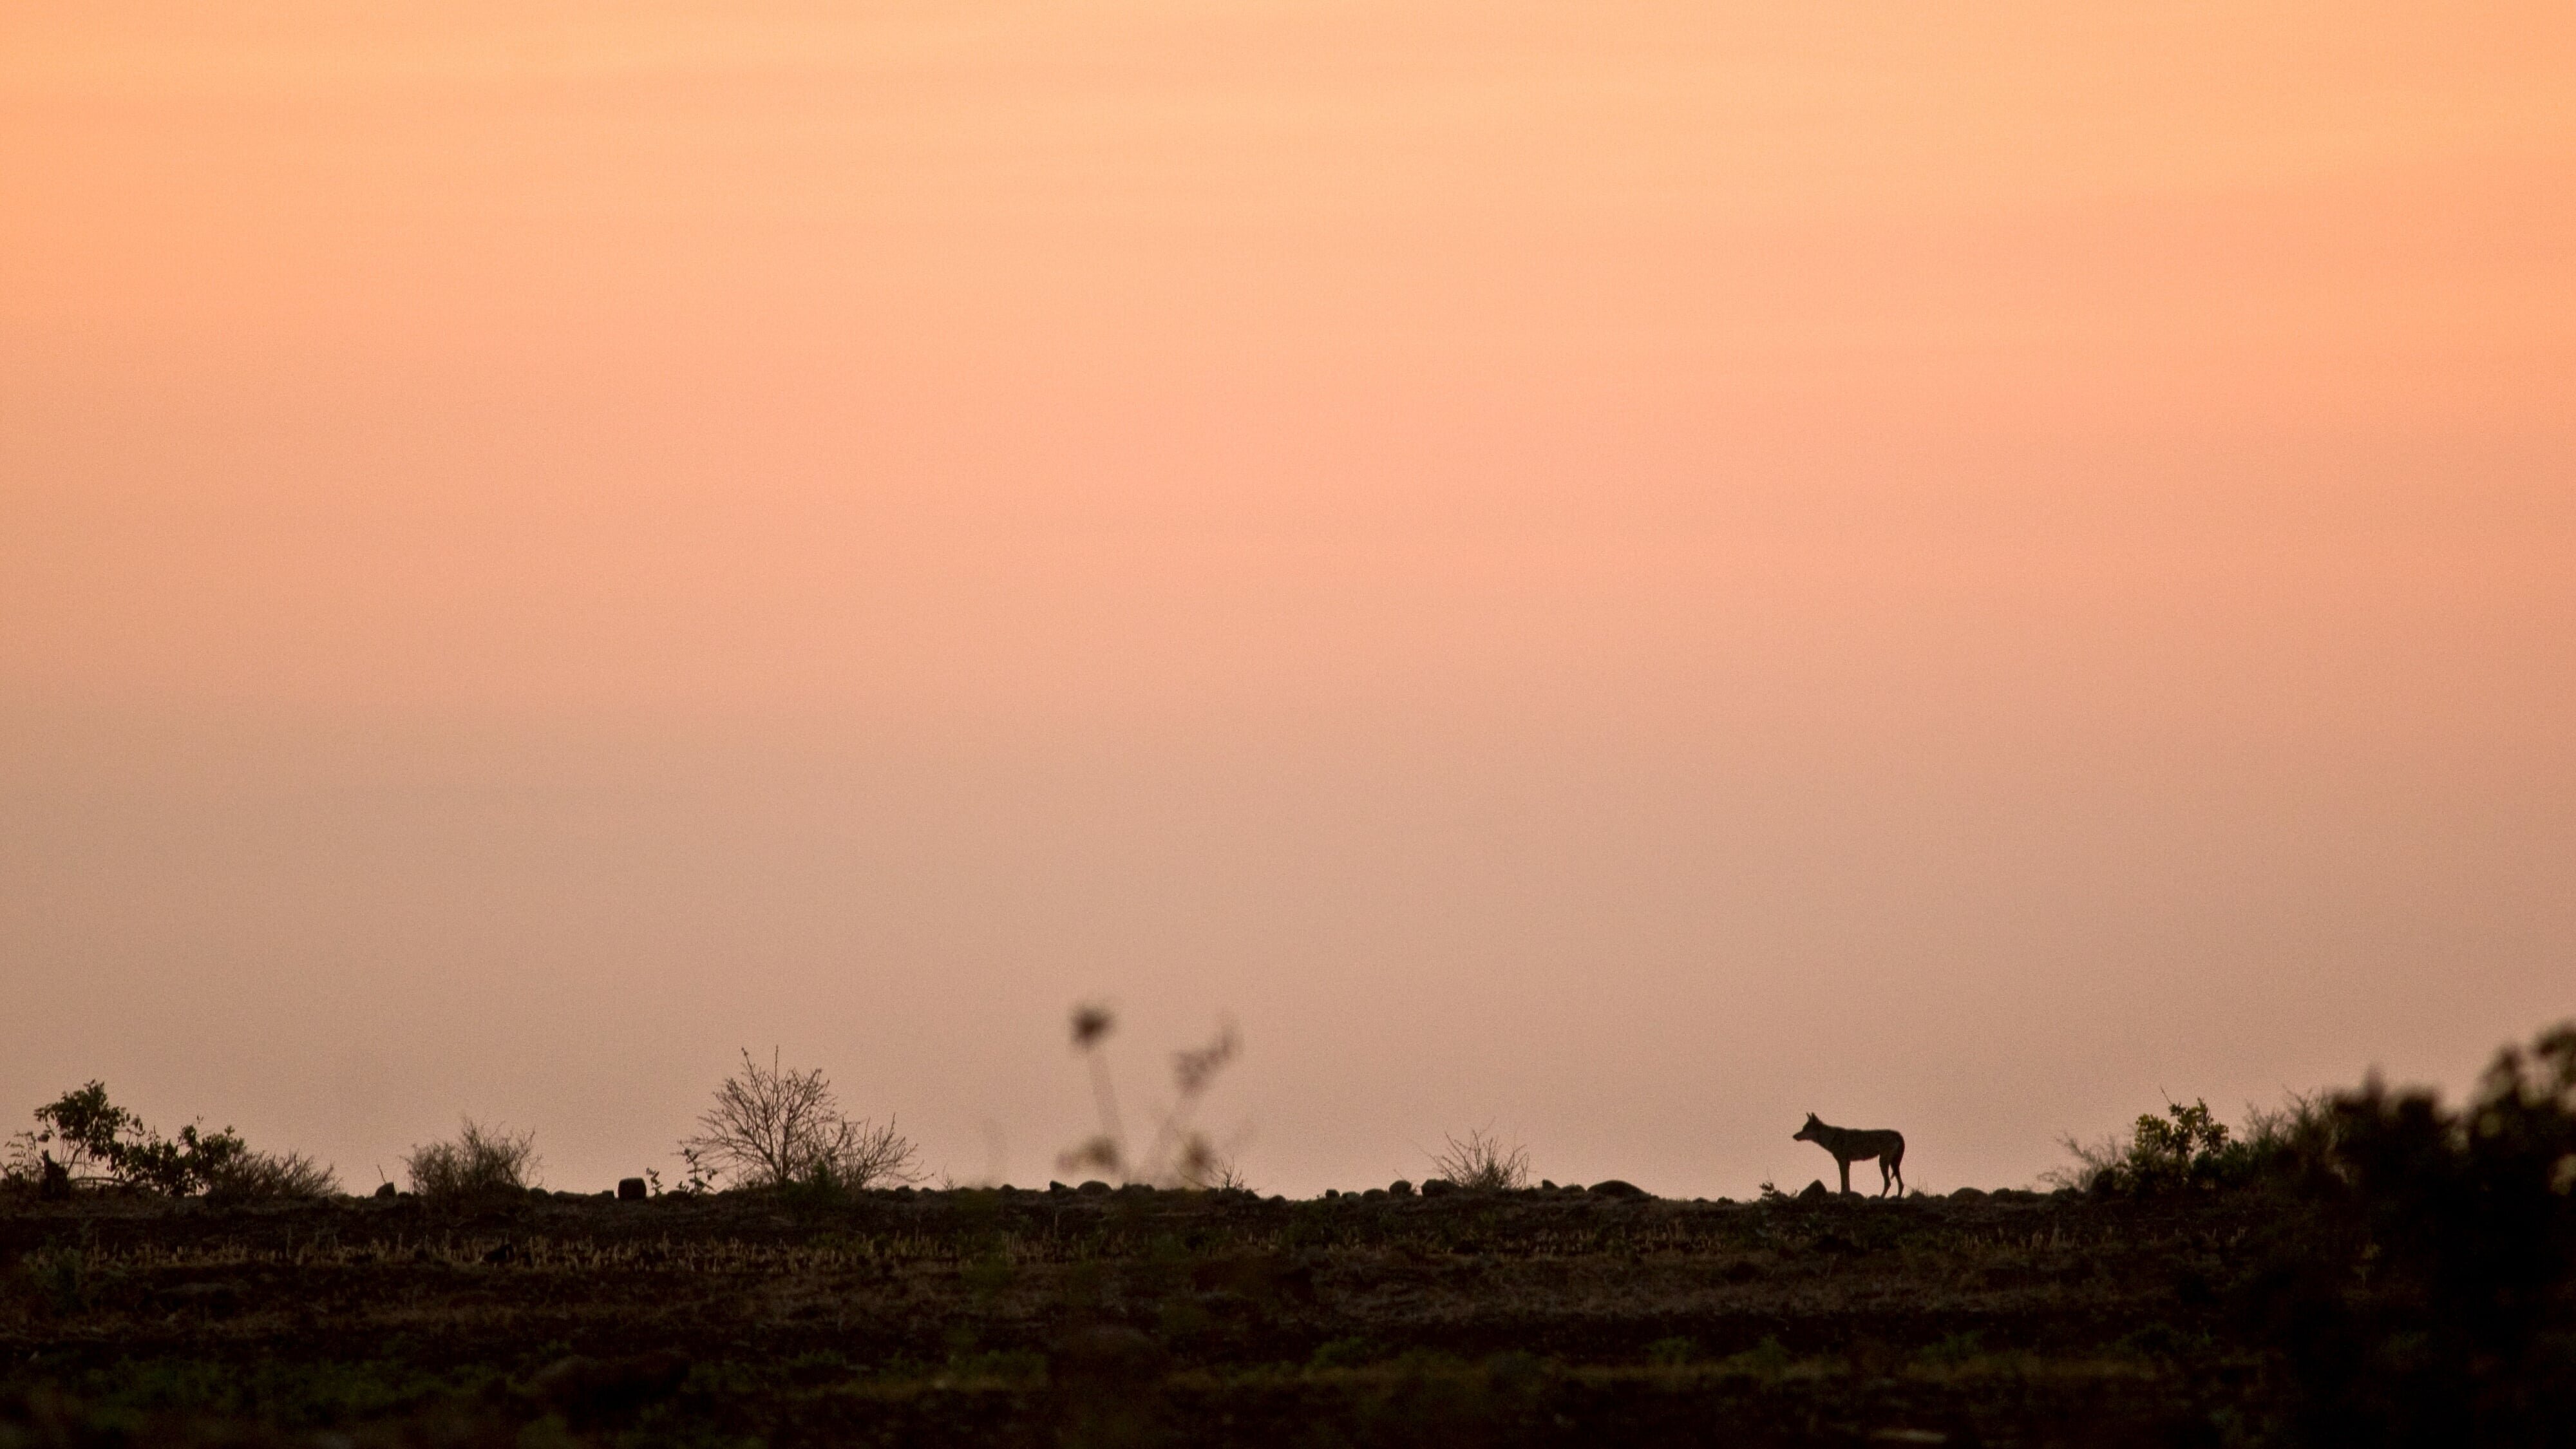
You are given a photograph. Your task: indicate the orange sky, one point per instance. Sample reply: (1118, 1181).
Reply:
(1619, 575)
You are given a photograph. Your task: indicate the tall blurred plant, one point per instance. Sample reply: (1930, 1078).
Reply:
(1181, 1154)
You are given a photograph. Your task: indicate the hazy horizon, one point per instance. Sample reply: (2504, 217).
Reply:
(1621, 578)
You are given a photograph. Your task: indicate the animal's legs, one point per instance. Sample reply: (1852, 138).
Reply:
(1845, 1164)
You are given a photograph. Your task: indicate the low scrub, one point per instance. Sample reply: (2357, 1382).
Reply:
(2424, 1290)
(481, 1160)
(272, 1175)
(2438, 1304)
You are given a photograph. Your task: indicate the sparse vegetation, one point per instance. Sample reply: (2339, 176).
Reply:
(271, 1176)
(481, 1161)
(1483, 1162)
(2370, 1268)
(1031, 1316)
(775, 1126)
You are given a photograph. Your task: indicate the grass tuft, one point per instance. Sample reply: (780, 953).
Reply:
(1482, 1161)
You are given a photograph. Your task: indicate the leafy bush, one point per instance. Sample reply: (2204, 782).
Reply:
(775, 1126)
(2188, 1147)
(1483, 1161)
(481, 1160)
(81, 1139)
(77, 1137)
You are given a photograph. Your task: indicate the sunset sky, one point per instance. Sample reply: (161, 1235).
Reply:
(1618, 573)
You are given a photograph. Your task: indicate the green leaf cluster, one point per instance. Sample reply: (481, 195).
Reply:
(98, 1142)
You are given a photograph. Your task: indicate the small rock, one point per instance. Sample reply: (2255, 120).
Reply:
(1094, 1188)
(1437, 1186)
(1399, 1188)
(1615, 1188)
(630, 1189)
(385, 1190)
(1815, 1192)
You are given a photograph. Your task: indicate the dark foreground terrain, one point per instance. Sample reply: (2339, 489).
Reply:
(1557, 1316)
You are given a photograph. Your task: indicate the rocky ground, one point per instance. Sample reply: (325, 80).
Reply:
(1553, 1316)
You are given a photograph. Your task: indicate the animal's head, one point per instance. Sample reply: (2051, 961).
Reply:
(1808, 1132)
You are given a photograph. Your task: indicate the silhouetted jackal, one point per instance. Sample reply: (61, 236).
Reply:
(1858, 1144)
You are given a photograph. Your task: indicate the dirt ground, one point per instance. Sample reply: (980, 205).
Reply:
(1071, 1316)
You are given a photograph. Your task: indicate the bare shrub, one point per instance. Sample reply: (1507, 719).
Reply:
(1483, 1162)
(772, 1126)
(1181, 1154)
(480, 1160)
(868, 1155)
(272, 1175)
